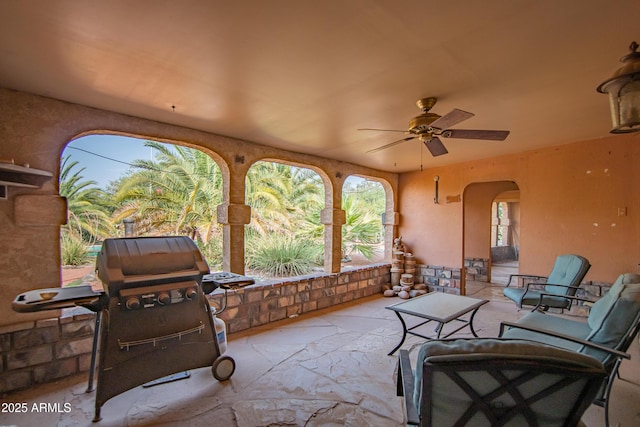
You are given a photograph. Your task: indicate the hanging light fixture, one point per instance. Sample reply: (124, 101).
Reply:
(624, 93)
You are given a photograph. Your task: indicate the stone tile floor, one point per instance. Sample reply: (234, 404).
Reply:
(325, 369)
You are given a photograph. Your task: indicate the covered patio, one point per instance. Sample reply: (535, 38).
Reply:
(247, 82)
(325, 368)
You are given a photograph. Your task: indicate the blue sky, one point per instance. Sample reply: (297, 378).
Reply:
(97, 150)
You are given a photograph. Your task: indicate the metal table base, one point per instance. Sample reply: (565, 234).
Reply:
(436, 307)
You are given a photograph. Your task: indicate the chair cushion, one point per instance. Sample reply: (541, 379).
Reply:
(448, 351)
(611, 317)
(513, 294)
(622, 311)
(533, 297)
(603, 306)
(568, 270)
(552, 323)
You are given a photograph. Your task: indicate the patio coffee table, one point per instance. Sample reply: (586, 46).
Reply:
(438, 307)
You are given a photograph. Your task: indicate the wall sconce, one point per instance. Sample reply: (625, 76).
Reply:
(624, 93)
(435, 198)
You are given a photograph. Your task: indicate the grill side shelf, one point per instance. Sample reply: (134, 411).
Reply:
(125, 345)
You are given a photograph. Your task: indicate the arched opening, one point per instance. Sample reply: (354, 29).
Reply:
(127, 186)
(478, 230)
(505, 236)
(364, 201)
(285, 236)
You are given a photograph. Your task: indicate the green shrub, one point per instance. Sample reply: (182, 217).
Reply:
(212, 252)
(282, 256)
(74, 250)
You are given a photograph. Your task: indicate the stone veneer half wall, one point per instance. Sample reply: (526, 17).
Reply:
(439, 278)
(45, 350)
(477, 269)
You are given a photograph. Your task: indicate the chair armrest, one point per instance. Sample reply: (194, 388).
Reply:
(616, 353)
(569, 297)
(526, 287)
(405, 386)
(533, 276)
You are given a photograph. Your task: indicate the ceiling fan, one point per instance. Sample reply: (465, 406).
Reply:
(428, 127)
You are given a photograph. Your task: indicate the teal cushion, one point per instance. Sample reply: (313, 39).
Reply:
(568, 270)
(476, 350)
(622, 315)
(532, 297)
(603, 306)
(514, 294)
(574, 328)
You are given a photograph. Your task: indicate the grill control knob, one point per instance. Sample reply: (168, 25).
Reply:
(190, 293)
(133, 303)
(164, 298)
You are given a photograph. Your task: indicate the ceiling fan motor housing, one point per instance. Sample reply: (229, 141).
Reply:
(422, 123)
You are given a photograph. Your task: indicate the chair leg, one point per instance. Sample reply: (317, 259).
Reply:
(607, 390)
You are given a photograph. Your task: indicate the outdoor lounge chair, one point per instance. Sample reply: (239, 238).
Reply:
(613, 323)
(496, 382)
(564, 279)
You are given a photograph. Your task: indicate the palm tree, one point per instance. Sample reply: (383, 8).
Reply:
(267, 185)
(362, 231)
(177, 192)
(88, 216)
(87, 205)
(281, 196)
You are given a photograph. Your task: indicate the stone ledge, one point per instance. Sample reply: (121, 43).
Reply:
(274, 300)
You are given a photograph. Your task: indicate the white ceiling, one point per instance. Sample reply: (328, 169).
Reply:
(304, 75)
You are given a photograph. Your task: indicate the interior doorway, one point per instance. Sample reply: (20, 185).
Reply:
(481, 230)
(505, 236)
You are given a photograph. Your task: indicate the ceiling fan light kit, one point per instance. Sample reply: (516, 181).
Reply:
(428, 127)
(624, 93)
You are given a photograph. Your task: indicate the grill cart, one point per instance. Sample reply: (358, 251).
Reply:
(153, 316)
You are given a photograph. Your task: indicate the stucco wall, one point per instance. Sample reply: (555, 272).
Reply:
(569, 201)
(36, 129)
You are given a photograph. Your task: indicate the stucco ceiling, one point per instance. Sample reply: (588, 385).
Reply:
(305, 75)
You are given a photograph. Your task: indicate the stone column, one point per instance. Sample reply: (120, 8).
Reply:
(390, 222)
(233, 218)
(333, 220)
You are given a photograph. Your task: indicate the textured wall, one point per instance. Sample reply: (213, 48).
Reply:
(582, 197)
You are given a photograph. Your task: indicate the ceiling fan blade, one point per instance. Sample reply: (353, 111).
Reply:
(452, 118)
(385, 130)
(391, 144)
(491, 135)
(436, 147)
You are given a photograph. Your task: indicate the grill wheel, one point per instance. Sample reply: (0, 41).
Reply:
(223, 367)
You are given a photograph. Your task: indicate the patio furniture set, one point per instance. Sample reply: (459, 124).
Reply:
(543, 369)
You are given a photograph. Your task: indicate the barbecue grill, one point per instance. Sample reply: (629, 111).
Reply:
(153, 321)
(158, 321)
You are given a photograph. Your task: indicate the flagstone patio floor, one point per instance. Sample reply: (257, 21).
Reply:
(329, 368)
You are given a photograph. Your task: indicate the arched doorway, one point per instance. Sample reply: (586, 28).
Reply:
(477, 228)
(505, 236)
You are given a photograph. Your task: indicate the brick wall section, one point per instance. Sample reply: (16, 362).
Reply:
(438, 278)
(477, 269)
(46, 350)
